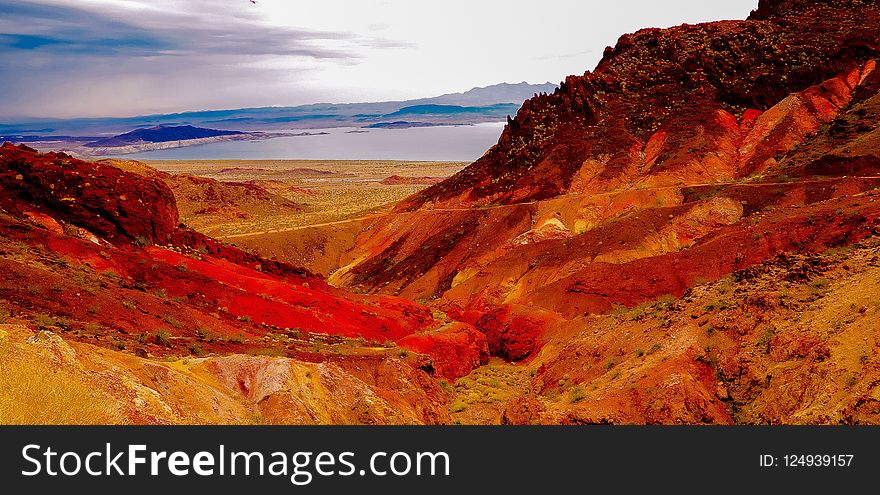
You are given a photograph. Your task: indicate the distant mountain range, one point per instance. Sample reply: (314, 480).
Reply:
(486, 104)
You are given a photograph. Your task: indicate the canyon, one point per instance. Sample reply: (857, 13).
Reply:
(688, 233)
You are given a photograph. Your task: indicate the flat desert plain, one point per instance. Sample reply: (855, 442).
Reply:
(322, 191)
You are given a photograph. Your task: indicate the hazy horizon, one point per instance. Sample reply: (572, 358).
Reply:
(221, 109)
(115, 58)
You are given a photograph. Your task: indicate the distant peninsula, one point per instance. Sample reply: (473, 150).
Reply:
(162, 137)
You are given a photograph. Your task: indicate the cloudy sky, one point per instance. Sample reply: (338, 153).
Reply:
(75, 58)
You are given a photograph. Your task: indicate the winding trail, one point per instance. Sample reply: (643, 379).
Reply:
(526, 203)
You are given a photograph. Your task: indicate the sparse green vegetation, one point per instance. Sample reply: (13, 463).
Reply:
(196, 350)
(445, 385)
(174, 322)
(162, 337)
(665, 302)
(47, 322)
(205, 334)
(142, 241)
(766, 336)
(718, 304)
(839, 252)
(268, 351)
(653, 308)
(457, 407)
(92, 329)
(70, 229)
(576, 394)
(489, 386)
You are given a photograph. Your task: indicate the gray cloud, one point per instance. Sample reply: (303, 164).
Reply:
(99, 31)
(71, 58)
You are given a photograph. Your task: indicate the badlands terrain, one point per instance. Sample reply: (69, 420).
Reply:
(690, 233)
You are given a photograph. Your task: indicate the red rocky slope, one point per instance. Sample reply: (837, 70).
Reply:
(678, 105)
(107, 243)
(689, 153)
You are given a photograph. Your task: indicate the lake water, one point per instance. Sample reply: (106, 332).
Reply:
(440, 143)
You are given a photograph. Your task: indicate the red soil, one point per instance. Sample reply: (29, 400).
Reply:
(515, 332)
(205, 287)
(457, 349)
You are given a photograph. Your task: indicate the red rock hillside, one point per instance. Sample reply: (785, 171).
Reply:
(101, 249)
(679, 106)
(690, 233)
(689, 155)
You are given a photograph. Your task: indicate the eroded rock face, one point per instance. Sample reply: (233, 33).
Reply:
(515, 333)
(111, 203)
(290, 392)
(663, 97)
(683, 156)
(456, 349)
(789, 341)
